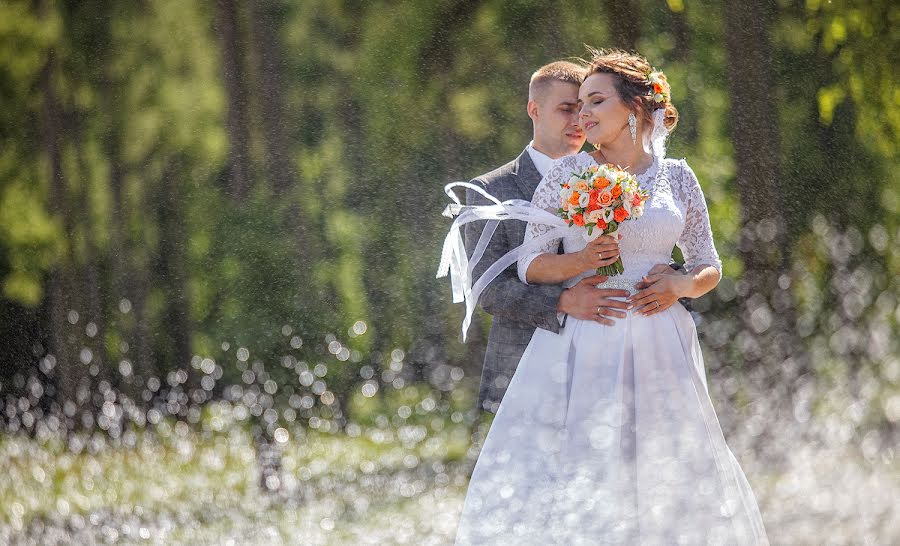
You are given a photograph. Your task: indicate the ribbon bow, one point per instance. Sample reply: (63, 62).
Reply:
(454, 259)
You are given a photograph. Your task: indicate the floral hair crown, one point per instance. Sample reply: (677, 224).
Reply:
(660, 87)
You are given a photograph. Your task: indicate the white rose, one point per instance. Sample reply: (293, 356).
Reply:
(572, 181)
(593, 216)
(593, 235)
(565, 194)
(608, 214)
(584, 199)
(637, 212)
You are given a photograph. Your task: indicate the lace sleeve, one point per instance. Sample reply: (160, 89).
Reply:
(696, 241)
(546, 196)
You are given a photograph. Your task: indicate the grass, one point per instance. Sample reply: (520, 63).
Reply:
(180, 486)
(382, 481)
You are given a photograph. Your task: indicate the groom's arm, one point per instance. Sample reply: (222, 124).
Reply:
(507, 296)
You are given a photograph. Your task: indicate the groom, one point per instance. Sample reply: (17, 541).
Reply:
(519, 308)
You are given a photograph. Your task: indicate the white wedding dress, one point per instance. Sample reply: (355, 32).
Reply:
(606, 434)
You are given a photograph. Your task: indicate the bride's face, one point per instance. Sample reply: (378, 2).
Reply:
(603, 116)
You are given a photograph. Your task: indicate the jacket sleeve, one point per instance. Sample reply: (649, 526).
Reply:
(506, 296)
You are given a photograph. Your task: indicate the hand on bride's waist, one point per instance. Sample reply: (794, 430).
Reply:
(585, 301)
(658, 290)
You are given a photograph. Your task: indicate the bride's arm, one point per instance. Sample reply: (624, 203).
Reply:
(545, 265)
(698, 281)
(555, 268)
(701, 260)
(704, 269)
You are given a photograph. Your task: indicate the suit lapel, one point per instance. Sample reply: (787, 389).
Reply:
(527, 175)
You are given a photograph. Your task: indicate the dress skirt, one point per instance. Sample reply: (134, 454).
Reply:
(607, 435)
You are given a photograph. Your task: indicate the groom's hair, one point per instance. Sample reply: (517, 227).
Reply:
(559, 71)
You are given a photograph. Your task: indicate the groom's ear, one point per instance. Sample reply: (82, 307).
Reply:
(532, 109)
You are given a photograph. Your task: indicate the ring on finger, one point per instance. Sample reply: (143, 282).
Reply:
(657, 304)
(600, 254)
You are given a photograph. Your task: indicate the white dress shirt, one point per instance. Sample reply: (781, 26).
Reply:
(542, 161)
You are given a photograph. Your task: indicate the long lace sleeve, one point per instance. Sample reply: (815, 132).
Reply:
(546, 196)
(696, 241)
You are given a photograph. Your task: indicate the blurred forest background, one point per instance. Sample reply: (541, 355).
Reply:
(239, 202)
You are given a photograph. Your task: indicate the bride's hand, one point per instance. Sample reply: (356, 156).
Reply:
(661, 291)
(602, 251)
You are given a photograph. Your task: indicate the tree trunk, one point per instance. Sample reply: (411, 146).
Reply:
(235, 89)
(687, 104)
(270, 90)
(90, 279)
(622, 17)
(768, 308)
(174, 271)
(67, 374)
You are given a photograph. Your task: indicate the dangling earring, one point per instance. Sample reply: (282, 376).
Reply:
(632, 124)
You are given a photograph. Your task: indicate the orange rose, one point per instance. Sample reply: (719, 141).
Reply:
(601, 224)
(657, 88)
(592, 206)
(601, 182)
(605, 198)
(617, 190)
(620, 214)
(578, 219)
(575, 198)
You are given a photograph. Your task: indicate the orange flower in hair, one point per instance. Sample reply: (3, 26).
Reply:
(657, 81)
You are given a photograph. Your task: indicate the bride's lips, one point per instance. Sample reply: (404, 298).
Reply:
(589, 125)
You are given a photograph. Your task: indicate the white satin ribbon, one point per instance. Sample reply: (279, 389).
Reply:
(454, 259)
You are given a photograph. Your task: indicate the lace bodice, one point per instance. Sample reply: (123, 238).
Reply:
(675, 214)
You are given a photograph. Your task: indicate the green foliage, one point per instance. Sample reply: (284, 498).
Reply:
(383, 103)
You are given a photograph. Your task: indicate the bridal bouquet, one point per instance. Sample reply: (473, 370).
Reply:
(599, 199)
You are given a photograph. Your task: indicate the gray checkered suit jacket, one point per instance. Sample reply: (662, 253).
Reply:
(517, 308)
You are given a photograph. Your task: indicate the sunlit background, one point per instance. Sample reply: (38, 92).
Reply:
(220, 226)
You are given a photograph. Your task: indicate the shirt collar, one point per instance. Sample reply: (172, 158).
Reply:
(542, 162)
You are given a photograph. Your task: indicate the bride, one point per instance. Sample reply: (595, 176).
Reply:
(607, 434)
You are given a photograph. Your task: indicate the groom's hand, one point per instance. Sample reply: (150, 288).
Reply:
(585, 301)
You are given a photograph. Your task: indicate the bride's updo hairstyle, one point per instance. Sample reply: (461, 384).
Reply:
(635, 79)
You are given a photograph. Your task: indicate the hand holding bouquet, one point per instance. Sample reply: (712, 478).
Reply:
(599, 199)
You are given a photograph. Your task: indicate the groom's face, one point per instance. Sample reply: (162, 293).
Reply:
(555, 115)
